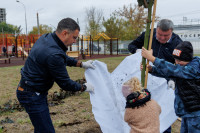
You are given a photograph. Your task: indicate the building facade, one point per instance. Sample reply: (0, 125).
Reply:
(2, 15)
(190, 33)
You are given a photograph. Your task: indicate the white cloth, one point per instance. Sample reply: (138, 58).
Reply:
(108, 103)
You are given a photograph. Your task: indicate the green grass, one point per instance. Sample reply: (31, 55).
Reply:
(22, 121)
(10, 76)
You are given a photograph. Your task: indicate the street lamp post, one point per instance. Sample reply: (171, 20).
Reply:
(53, 27)
(26, 26)
(38, 25)
(25, 14)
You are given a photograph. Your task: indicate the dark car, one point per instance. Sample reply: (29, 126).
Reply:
(95, 48)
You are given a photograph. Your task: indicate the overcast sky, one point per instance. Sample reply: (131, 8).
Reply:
(52, 11)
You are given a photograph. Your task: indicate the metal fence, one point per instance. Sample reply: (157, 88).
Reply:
(23, 45)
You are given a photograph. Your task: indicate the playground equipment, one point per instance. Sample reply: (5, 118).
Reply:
(88, 48)
(102, 35)
(24, 52)
(6, 59)
(84, 46)
(74, 54)
(97, 37)
(22, 44)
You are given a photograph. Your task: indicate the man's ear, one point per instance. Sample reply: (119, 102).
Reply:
(64, 32)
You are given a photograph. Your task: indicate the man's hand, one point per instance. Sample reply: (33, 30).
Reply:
(148, 54)
(88, 64)
(89, 87)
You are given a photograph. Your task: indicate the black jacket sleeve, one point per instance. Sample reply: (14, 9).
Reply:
(57, 69)
(136, 44)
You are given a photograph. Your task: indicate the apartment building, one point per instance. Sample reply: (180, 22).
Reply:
(2, 15)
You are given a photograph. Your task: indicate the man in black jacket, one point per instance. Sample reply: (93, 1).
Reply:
(45, 65)
(163, 43)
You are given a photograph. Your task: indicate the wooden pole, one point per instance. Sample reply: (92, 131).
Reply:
(150, 42)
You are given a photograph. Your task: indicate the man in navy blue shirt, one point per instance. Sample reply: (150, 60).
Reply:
(163, 43)
(45, 65)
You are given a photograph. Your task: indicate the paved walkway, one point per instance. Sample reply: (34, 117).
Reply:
(14, 61)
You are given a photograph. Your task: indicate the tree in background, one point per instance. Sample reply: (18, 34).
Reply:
(114, 27)
(93, 21)
(9, 28)
(43, 29)
(126, 23)
(134, 20)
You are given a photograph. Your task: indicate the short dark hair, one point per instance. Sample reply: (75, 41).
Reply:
(165, 25)
(69, 24)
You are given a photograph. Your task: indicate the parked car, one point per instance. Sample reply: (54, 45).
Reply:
(124, 51)
(95, 48)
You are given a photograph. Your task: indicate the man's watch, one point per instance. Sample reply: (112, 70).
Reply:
(84, 87)
(79, 64)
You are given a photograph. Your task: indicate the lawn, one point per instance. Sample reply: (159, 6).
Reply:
(74, 113)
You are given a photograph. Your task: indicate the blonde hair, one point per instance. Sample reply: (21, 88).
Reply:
(135, 85)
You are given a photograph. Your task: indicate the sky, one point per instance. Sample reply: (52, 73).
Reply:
(52, 11)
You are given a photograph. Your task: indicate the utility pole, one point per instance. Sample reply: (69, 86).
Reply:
(38, 25)
(26, 40)
(77, 21)
(25, 14)
(53, 27)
